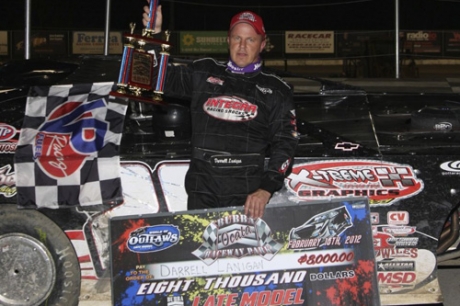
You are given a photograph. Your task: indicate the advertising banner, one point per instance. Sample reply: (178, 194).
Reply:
(320, 253)
(365, 43)
(3, 43)
(203, 42)
(309, 42)
(422, 42)
(87, 42)
(452, 43)
(42, 43)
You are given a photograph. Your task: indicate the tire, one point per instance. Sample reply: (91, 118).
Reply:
(38, 264)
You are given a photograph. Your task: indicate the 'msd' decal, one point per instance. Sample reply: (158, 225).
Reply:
(153, 238)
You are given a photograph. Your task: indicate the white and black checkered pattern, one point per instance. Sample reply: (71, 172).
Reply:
(246, 115)
(97, 176)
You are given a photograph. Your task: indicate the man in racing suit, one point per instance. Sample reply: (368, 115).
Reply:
(240, 115)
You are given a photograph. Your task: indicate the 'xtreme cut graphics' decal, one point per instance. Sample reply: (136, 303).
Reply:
(382, 182)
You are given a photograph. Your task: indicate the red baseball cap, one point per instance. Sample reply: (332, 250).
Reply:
(250, 18)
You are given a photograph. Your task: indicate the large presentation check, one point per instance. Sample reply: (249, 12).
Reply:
(307, 254)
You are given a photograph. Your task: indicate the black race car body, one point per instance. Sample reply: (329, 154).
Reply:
(396, 145)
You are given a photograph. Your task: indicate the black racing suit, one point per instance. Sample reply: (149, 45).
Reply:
(237, 120)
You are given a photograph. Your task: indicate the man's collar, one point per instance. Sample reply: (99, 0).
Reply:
(253, 67)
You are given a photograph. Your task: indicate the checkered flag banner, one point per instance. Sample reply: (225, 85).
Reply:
(68, 149)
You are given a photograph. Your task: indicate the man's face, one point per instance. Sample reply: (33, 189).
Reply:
(245, 44)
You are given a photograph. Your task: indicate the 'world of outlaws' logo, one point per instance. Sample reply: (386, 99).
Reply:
(153, 238)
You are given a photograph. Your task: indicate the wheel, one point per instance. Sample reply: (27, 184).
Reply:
(38, 264)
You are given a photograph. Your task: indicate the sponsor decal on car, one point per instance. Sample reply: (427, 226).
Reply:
(375, 218)
(6, 132)
(402, 279)
(443, 126)
(403, 242)
(403, 265)
(398, 217)
(399, 230)
(451, 167)
(402, 273)
(385, 246)
(383, 183)
(7, 182)
(346, 146)
(7, 143)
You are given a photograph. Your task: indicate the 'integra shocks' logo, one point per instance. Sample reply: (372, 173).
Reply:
(153, 238)
(382, 182)
(237, 236)
(230, 108)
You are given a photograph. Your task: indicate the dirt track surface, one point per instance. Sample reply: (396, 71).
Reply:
(95, 293)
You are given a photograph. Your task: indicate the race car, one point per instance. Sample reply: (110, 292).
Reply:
(393, 143)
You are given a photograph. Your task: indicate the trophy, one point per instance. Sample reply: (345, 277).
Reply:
(143, 64)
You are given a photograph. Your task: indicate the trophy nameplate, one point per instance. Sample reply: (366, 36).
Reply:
(144, 63)
(141, 72)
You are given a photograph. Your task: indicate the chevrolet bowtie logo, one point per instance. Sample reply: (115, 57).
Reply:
(346, 146)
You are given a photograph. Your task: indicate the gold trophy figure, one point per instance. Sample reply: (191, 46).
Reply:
(143, 69)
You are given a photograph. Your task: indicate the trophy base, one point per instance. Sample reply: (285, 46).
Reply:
(151, 99)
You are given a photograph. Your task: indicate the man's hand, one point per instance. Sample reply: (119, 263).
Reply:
(256, 202)
(159, 18)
